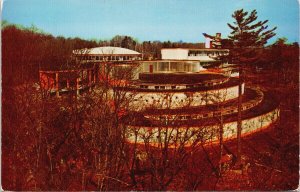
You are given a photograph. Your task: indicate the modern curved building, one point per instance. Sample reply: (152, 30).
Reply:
(173, 99)
(100, 54)
(186, 107)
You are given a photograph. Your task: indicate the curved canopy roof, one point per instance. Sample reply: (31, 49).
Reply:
(106, 51)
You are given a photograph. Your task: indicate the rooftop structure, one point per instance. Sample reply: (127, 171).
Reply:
(212, 41)
(99, 54)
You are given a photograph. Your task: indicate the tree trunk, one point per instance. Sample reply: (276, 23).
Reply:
(239, 122)
(221, 141)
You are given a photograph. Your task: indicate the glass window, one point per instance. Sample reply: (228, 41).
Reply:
(164, 66)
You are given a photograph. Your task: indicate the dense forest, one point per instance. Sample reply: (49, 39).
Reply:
(26, 49)
(71, 143)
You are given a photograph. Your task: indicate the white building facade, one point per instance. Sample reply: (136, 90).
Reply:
(202, 55)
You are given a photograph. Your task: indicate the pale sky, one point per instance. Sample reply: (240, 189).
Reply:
(162, 20)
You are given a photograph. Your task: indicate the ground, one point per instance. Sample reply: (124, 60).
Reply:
(270, 157)
(273, 154)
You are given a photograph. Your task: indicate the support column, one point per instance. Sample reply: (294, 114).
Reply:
(239, 121)
(90, 79)
(103, 72)
(48, 84)
(77, 86)
(221, 132)
(68, 83)
(56, 85)
(41, 83)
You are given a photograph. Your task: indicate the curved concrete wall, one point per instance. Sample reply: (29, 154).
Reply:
(212, 113)
(161, 100)
(204, 133)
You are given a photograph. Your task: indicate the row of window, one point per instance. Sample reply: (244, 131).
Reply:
(212, 114)
(110, 58)
(205, 115)
(158, 87)
(186, 86)
(197, 53)
(226, 111)
(207, 52)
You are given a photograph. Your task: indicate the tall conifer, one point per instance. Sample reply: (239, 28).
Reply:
(248, 36)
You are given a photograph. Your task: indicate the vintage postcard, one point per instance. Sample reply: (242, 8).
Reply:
(149, 95)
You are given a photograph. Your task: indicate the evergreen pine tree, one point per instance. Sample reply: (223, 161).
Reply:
(248, 36)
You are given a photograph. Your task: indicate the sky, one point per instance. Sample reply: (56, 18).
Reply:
(148, 20)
